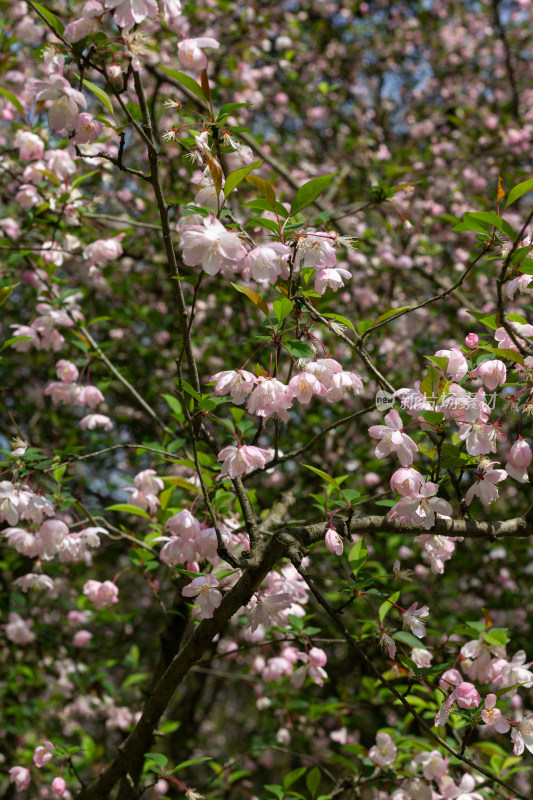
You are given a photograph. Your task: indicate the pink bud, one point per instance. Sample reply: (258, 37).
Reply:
(334, 542)
(467, 695)
(317, 657)
(452, 677)
(520, 455)
(59, 787)
(472, 340)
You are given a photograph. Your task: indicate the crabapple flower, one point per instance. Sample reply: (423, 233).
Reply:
(208, 596)
(268, 610)
(412, 619)
(434, 766)
(457, 365)
(334, 542)
(21, 777)
(423, 506)
(171, 13)
(493, 716)
(384, 751)
(522, 735)
(66, 371)
(519, 461)
(102, 251)
(401, 574)
(406, 481)
(387, 644)
(89, 396)
(269, 397)
(316, 660)
(484, 487)
(452, 677)
(192, 56)
(93, 421)
(63, 113)
(317, 251)
(437, 549)
(472, 340)
(81, 638)
(266, 262)
(208, 244)
(29, 144)
(393, 440)
(238, 383)
(493, 373)
(43, 754)
(341, 382)
(101, 595)
(466, 695)
(242, 460)
(27, 196)
(331, 279)
(521, 283)
(303, 386)
(183, 524)
(18, 630)
(131, 12)
(58, 786)
(88, 129)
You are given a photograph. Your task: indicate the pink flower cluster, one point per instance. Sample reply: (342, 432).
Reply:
(67, 391)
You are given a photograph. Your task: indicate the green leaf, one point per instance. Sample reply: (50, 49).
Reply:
(496, 636)
(440, 361)
(129, 509)
(234, 178)
(323, 475)
(6, 292)
(262, 222)
(526, 266)
(12, 99)
(59, 472)
(191, 762)
(174, 403)
(282, 308)
(293, 776)
(512, 355)
(313, 779)
(518, 190)
(299, 349)
(483, 221)
(190, 390)
(157, 758)
(309, 192)
(267, 190)
(102, 96)
(82, 178)
(228, 107)
(56, 23)
(406, 638)
(342, 320)
(433, 417)
(186, 81)
(357, 556)
(386, 606)
(253, 296)
(486, 319)
(390, 313)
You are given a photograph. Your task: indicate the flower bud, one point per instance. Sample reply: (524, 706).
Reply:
(467, 695)
(472, 340)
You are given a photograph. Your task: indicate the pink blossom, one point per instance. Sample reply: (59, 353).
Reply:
(268, 610)
(242, 460)
(88, 129)
(317, 251)
(412, 619)
(208, 596)
(89, 396)
(36, 581)
(522, 735)
(303, 386)
(58, 786)
(476, 437)
(493, 373)
(30, 145)
(313, 668)
(436, 550)
(423, 506)
(334, 542)
(191, 55)
(485, 487)
(519, 460)
(27, 196)
(384, 751)
(93, 421)
(18, 630)
(393, 440)
(237, 383)
(451, 677)
(466, 695)
(81, 638)
(131, 12)
(434, 766)
(171, 13)
(324, 369)
(341, 382)
(60, 163)
(62, 392)
(23, 542)
(101, 595)
(331, 279)
(387, 644)
(52, 533)
(472, 340)
(269, 397)
(102, 251)
(89, 22)
(43, 754)
(21, 777)
(406, 481)
(63, 113)
(266, 262)
(206, 242)
(493, 716)
(66, 371)
(457, 364)
(183, 524)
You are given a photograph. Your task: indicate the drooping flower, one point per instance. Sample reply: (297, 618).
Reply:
(191, 54)
(457, 364)
(392, 439)
(493, 373)
(131, 12)
(384, 751)
(207, 243)
(485, 485)
(20, 776)
(522, 735)
(519, 460)
(269, 397)
(66, 101)
(412, 619)
(242, 460)
(334, 542)
(422, 506)
(238, 383)
(208, 596)
(101, 595)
